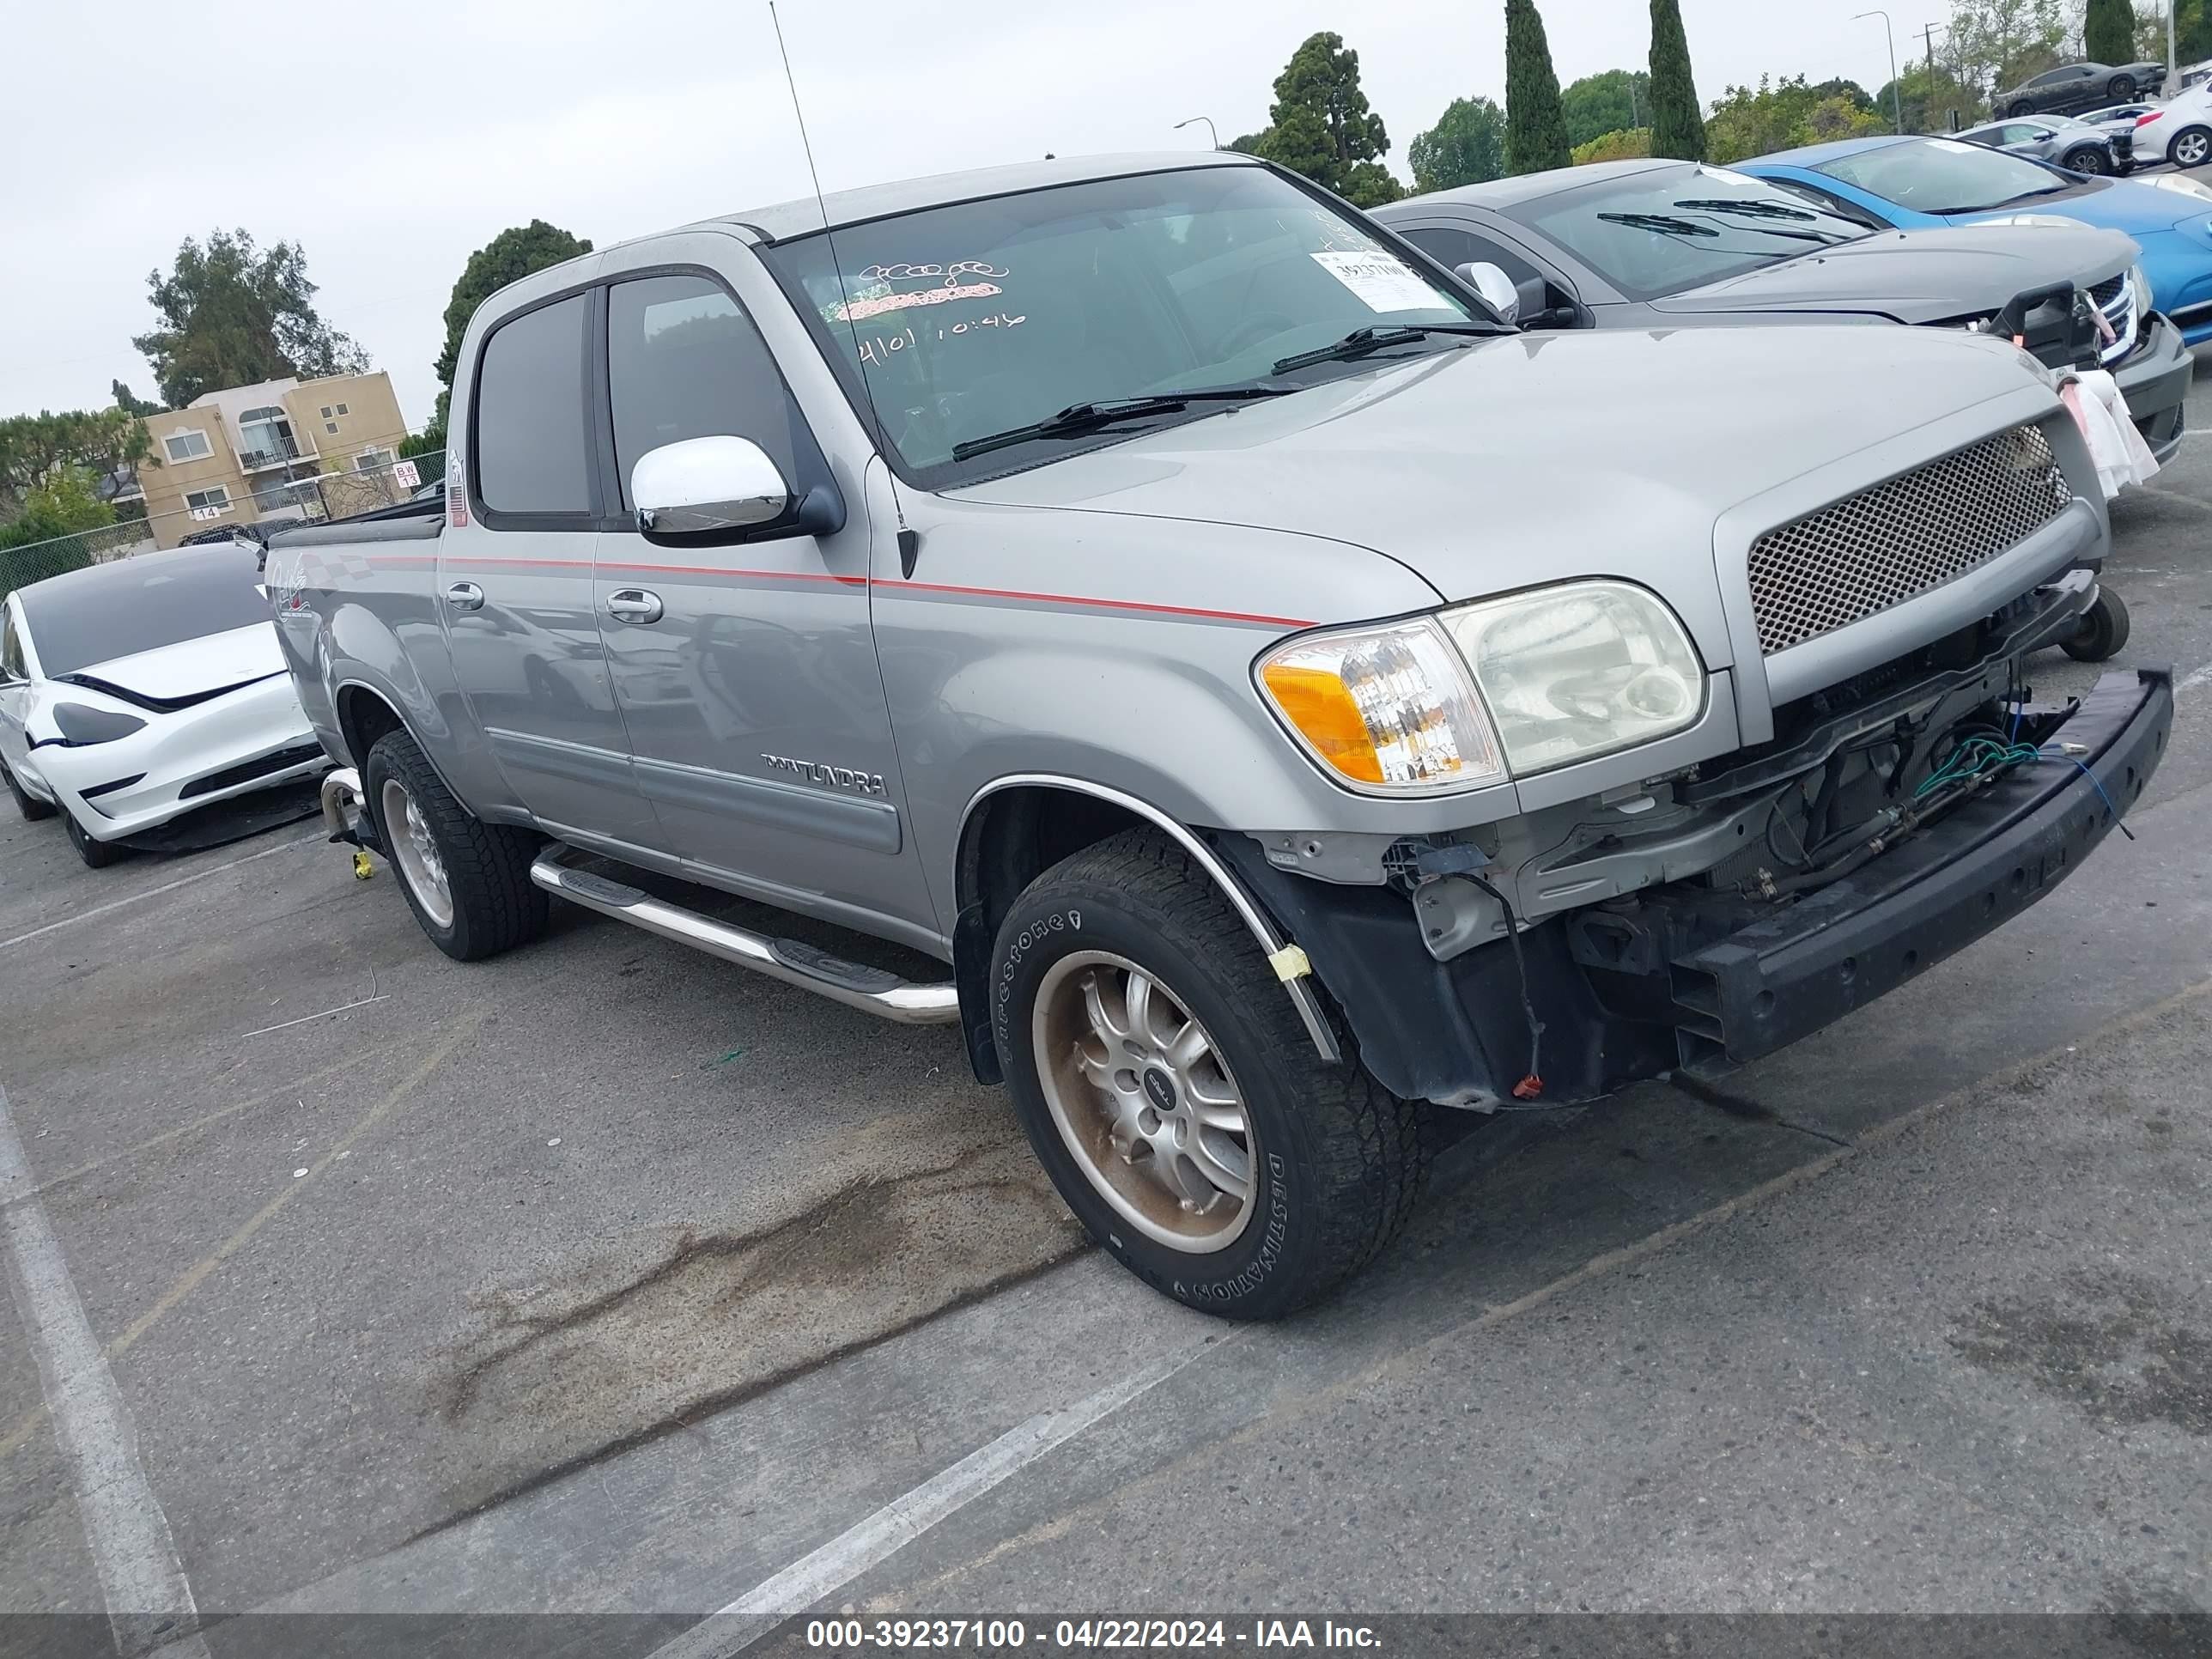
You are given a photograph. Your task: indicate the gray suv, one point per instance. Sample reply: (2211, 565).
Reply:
(1272, 702)
(2063, 140)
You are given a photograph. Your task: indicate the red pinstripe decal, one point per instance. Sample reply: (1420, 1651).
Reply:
(1107, 604)
(1138, 606)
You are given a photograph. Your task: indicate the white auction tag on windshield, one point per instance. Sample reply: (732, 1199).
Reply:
(1382, 282)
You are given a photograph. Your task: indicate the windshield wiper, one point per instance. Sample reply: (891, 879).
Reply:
(1078, 418)
(1991, 207)
(1665, 223)
(1361, 341)
(1771, 210)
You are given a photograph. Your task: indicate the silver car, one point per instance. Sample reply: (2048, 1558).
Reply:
(2076, 145)
(1287, 700)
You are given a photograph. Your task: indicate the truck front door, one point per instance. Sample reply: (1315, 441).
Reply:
(747, 673)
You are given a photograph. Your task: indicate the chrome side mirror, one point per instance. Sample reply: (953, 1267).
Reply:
(1495, 287)
(701, 485)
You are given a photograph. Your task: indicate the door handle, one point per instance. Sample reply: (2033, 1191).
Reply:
(634, 604)
(465, 596)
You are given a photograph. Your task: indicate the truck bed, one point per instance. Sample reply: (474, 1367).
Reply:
(408, 521)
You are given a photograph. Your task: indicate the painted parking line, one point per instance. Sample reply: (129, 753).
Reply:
(142, 1578)
(904, 1519)
(99, 910)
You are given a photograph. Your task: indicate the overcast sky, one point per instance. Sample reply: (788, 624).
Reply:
(391, 141)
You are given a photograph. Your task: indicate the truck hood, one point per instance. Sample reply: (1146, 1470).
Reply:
(192, 670)
(1918, 275)
(1545, 456)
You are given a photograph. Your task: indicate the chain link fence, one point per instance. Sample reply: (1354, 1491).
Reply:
(319, 498)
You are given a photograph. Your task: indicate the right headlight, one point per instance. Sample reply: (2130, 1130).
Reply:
(1578, 670)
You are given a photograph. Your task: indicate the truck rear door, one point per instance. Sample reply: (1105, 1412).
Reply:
(514, 582)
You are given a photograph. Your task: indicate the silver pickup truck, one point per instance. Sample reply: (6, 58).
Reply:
(1291, 703)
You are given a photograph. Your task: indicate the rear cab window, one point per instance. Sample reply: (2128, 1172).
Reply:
(530, 438)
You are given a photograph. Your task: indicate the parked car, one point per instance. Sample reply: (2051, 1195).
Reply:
(1647, 244)
(2074, 145)
(2077, 87)
(1918, 183)
(2180, 131)
(2118, 115)
(1287, 699)
(135, 692)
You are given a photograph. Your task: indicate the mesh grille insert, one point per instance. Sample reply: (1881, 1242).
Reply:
(1928, 526)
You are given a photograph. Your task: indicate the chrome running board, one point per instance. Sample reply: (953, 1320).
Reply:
(872, 990)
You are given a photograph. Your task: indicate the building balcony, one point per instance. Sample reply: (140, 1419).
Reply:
(284, 452)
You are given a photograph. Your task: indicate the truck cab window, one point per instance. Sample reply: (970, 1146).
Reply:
(684, 361)
(533, 444)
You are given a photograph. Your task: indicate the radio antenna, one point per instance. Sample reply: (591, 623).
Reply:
(909, 541)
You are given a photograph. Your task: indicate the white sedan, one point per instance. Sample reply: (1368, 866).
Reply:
(2181, 132)
(135, 692)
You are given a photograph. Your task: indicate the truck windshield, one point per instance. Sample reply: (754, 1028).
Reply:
(1672, 228)
(977, 319)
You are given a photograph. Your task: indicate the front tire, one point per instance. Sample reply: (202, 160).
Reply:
(2191, 148)
(1173, 1095)
(31, 809)
(468, 882)
(2121, 88)
(2021, 106)
(2088, 159)
(96, 854)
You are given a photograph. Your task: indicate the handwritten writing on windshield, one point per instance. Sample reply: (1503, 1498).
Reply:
(963, 279)
(877, 348)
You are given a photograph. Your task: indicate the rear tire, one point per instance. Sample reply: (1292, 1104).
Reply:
(31, 809)
(2021, 106)
(468, 882)
(2103, 630)
(96, 854)
(2191, 148)
(2088, 159)
(1329, 1163)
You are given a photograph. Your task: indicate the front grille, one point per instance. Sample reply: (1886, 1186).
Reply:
(2105, 292)
(267, 766)
(1926, 527)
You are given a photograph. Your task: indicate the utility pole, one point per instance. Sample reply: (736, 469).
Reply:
(2172, 88)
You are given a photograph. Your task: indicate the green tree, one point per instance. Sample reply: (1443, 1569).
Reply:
(68, 502)
(513, 254)
(231, 315)
(1782, 115)
(36, 449)
(1995, 45)
(1676, 129)
(1631, 145)
(2108, 32)
(1535, 132)
(128, 404)
(1320, 125)
(1930, 99)
(1615, 101)
(1467, 146)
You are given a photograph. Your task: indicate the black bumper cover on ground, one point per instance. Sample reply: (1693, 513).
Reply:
(1693, 985)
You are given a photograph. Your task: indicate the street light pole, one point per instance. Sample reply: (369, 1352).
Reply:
(1210, 132)
(2173, 67)
(1896, 86)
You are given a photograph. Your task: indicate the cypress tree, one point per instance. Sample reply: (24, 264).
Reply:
(2108, 32)
(1535, 132)
(1677, 131)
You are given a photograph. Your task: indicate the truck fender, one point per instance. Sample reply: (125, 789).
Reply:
(1288, 963)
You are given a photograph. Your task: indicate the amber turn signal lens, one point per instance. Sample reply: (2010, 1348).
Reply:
(1388, 708)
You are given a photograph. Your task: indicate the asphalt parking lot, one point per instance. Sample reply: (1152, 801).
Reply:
(603, 1278)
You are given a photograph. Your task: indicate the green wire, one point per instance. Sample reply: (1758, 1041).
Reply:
(1975, 758)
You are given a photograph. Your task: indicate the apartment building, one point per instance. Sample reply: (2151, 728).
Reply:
(256, 452)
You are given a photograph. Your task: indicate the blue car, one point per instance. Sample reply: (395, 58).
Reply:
(1913, 183)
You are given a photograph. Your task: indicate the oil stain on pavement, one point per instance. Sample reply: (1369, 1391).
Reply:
(2102, 1340)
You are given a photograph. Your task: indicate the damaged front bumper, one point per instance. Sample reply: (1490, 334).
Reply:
(1685, 976)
